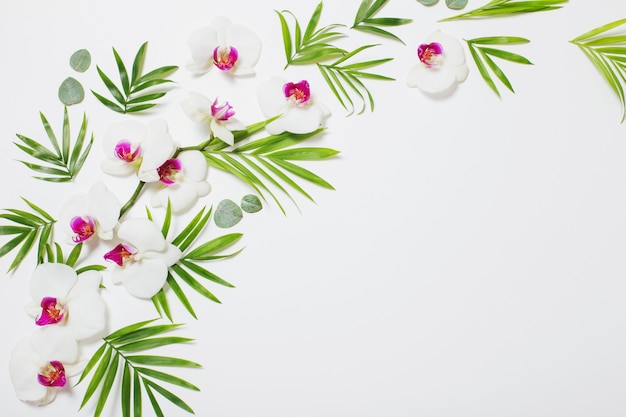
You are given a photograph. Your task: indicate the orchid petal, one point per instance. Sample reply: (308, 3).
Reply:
(145, 278)
(142, 233)
(52, 280)
(271, 99)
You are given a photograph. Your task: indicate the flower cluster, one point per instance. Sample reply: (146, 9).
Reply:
(67, 305)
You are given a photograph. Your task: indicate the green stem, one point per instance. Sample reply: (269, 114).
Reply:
(132, 199)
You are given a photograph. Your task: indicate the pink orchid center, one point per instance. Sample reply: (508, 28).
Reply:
(169, 171)
(84, 227)
(52, 312)
(225, 57)
(121, 254)
(52, 374)
(299, 92)
(124, 151)
(223, 112)
(430, 53)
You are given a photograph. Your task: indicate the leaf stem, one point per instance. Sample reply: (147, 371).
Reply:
(133, 198)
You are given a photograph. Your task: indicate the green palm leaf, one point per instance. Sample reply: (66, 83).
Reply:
(27, 228)
(127, 97)
(311, 46)
(482, 53)
(114, 361)
(498, 8)
(366, 22)
(607, 52)
(63, 162)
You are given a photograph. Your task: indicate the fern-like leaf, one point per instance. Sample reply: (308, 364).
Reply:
(27, 229)
(498, 8)
(121, 357)
(482, 52)
(345, 81)
(365, 21)
(64, 160)
(131, 96)
(607, 52)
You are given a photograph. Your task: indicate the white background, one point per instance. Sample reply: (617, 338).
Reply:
(469, 263)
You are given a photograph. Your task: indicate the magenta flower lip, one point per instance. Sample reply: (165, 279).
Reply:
(120, 253)
(124, 151)
(52, 312)
(300, 92)
(225, 57)
(167, 171)
(52, 374)
(84, 227)
(223, 112)
(428, 53)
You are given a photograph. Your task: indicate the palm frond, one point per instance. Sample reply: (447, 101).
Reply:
(63, 161)
(482, 52)
(365, 21)
(121, 357)
(498, 8)
(130, 97)
(607, 52)
(27, 229)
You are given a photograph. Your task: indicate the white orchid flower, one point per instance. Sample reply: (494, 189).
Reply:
(93, 213)
(230, 47)
(201, 109)
(442, 65)
(143, 259)
(60, 298)
(299, 112)
(183, 181)
(132, 147)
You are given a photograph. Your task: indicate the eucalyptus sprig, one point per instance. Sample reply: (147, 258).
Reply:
(366, 22)
(188, 268)
(121, 357)
(312, 45)
(482, 52)
(608, 53)
(452, 4)
(28, 229)
(337, 75)
(131, 97)
(498, 8)
(64, 160)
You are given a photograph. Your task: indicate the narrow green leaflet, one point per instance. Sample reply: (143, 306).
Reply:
(268, 171)
(313, 45)
(483, 53)
(134, 94)
(121, 358)
(366, 22)
(607, 52)
(498, 8)
(63, 161)
(28, 229)
(187, 270)
(346, 83)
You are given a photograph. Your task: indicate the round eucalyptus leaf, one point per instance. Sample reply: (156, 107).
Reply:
(71, 91)
(80, 60)
(456, 4)
(227, 214)
(427, 2)
(251, 203)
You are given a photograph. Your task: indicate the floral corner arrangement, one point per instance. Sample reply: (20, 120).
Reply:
(142, 249)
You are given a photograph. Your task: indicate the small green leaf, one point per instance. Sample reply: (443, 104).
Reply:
(80, 60)
(71, 92)
(427, 2)
(456, 4)
(250, 203)
(227, 214)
